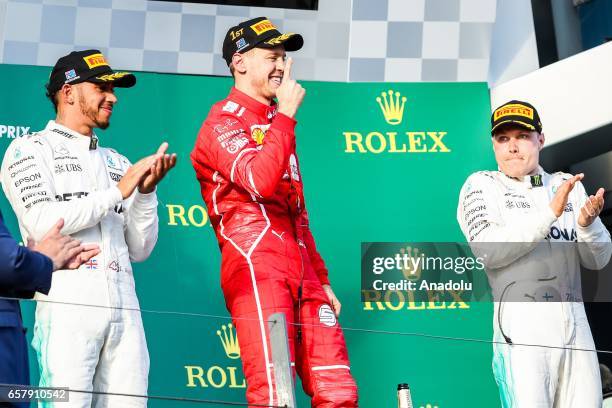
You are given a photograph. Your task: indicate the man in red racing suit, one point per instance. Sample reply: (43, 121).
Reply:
(245, 160)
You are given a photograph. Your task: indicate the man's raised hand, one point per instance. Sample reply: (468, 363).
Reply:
(559, 201)
(147, 172)
(163, 164)
(591, 208)
(289, 94)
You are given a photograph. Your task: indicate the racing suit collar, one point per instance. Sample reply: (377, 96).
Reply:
(539, 179)
(73, 136)
(260, 109)
(536, 180)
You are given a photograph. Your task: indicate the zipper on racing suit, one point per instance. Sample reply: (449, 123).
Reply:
(300, 243)
(499, 312)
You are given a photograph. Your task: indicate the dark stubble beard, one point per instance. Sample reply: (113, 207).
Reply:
(92, 114)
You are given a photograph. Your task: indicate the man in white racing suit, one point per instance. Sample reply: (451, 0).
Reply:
(534, 230)
(88, 333)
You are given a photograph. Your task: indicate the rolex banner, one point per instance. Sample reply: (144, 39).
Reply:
(382, 162)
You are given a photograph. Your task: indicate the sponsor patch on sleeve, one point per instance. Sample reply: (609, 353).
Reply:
(230, 107)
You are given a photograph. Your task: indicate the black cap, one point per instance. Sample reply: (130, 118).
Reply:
(258, 32)
(519, 113)
(86, 66)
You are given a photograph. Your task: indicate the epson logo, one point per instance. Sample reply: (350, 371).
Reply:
(28, 179)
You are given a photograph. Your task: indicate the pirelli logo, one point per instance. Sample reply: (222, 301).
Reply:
(514, 110)
(95, 60)
(262, 27)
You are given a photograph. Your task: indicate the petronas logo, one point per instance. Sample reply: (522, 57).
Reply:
(229, 339)
(392, 105)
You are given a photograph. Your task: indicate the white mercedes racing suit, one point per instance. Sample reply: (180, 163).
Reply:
(58, 173)
(528, 262)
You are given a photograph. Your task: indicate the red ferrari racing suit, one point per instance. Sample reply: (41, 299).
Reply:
(245, 160)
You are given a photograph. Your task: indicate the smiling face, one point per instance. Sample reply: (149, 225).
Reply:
(517, 150)
(259, 71)
(96, 103)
